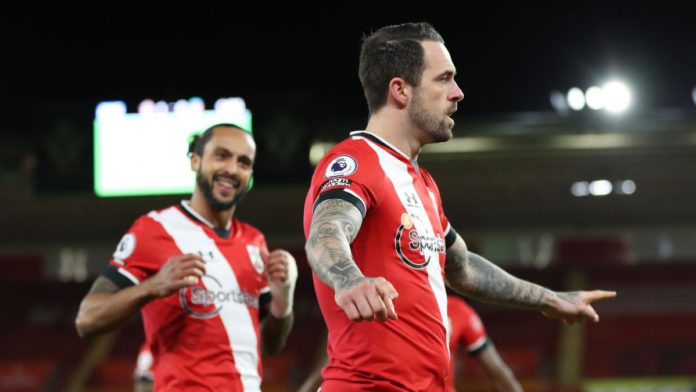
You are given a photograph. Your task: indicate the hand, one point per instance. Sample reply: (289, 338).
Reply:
(367, 299)
(177, 272)
(574, 306)
(281, 274)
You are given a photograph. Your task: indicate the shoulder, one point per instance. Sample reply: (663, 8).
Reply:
(456, 303)
(247, 230)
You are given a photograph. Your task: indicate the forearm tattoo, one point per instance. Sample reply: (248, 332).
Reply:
(473, 275)
(335, 224)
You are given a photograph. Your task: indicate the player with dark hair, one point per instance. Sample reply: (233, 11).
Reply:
(211, 294)
(376, 230)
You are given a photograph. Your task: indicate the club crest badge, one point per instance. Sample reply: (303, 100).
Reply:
(255, 257)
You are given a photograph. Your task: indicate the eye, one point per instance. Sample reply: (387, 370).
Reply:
(245, 163)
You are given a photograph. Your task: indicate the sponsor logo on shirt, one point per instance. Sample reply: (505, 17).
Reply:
(410, 245)
(341, 166)
(336, 182)
(207, 299)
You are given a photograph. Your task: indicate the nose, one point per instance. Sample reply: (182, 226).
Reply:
(456, 94)
(232, 166)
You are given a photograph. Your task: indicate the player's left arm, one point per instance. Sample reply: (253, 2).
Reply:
(473, 275)
(497, 370)
(281, 274)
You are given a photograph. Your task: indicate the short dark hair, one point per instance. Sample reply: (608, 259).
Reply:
(393, 51)
(198, 142)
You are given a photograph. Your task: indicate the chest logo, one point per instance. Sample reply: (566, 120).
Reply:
(412, 246)
(207, 299)
(255, 258)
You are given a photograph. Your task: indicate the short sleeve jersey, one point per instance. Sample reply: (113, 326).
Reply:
(403, 239)
(204, 337)
(466, 331)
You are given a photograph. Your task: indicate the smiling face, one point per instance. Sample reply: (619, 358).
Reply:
(435, 99)
(224, 171)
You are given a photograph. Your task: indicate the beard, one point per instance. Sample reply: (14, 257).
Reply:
(437, 128)
(216, 204)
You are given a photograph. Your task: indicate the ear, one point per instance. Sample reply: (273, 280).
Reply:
(399, 92)
(195, 162)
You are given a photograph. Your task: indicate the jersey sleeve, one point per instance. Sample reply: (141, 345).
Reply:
(350, 173)
(474, 334)
(139, 254)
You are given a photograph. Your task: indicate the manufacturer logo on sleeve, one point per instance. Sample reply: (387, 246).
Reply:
(342, 165)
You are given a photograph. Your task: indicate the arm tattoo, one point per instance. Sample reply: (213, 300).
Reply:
(473, 275)
(335, 224)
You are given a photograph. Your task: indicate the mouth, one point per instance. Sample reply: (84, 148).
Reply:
(227, 183)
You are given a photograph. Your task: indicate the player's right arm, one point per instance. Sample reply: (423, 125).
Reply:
(335, 224)
(107, 306)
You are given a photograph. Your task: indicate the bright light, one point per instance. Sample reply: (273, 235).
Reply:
(600, 188)
(628, 187)
(576, 99)
(111, 110)
(558, 101)
(580, 189)
(594, 98)
(616, 97)
(693, 95)
(318, 150)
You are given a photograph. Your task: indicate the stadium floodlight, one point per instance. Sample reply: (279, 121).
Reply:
(628, 187)
(576, 99)
(594, 97)
(558, 102)
(616, 97)
(693, 95)
(580, 189)
(600, 187)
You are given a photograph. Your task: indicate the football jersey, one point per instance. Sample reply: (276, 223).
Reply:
(204, 337)
(466, 331)
(402, 238)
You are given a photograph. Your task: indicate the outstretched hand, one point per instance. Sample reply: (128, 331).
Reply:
(574, 306)
(368, 299)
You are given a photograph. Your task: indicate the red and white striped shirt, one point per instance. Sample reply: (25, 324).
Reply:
(402, 238)
(204, 337)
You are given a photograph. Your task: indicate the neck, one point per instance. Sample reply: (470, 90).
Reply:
(219, 219)
(397, 129)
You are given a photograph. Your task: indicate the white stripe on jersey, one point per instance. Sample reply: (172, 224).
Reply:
(397, 172)
(235, 317)
(477, 344)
